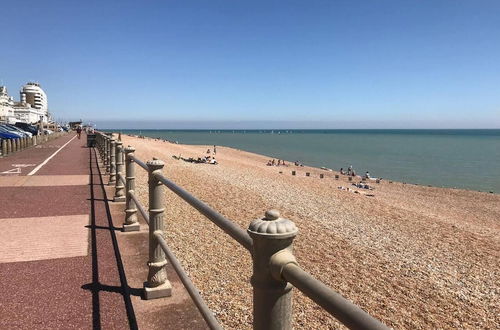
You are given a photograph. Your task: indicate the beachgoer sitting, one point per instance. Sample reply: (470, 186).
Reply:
(342, 171)
(273, 162)
(213, 161)
(269, 163)
(367, 175)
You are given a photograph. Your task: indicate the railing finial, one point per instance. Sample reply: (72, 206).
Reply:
(272, 308)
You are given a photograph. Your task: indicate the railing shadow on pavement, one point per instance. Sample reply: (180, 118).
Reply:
(96, 287)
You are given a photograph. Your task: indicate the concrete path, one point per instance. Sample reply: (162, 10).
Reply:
(60, 261)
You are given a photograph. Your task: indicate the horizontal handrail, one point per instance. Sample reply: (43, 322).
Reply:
(233, 230)
(188, 284)
(139, 162)
(270, 260)
(342, 309)
(139, 206)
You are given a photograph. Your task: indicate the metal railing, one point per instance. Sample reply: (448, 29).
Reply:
(268, 239)
(10, 146)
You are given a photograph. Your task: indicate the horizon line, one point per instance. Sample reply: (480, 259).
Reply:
(282, 129)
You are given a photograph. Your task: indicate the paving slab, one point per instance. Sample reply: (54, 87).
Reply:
(43, 238)
(44, 180)
(26, 202)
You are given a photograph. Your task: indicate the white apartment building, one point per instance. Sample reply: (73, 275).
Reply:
(32, 107)
(33, 94)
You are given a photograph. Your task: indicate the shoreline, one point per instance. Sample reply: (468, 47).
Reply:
(412, 256)
(311, 167)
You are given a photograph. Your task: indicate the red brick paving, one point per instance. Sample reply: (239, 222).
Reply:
(73, 159)
(33, 155)
(18, 202)
(81, 292)
(78, 292)
(54, 237)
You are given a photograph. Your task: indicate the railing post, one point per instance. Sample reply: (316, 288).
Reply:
(131, 223)
(157, 285)
(119, 186)
(9, 146)
(35, 140)
(106, 152)
(4, 147)
(272, 296)
(109, 153)
(101, 147)
(112, 162)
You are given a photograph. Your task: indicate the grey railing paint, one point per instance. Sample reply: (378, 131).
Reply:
(342, 309)
(269, 239)
(121, 178)
(142, 211)
(139, 162)
(188, 284)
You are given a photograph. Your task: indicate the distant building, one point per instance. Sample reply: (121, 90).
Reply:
(31, 108)
(33, 94)
(6, 105)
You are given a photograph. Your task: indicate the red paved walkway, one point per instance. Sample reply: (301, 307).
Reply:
(60, 262)
(88, 291)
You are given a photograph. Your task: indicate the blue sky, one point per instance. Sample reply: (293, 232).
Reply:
(338, 64)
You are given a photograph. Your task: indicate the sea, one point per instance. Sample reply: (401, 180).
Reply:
(454, 158)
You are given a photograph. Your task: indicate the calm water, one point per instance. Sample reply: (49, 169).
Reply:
(452, 158)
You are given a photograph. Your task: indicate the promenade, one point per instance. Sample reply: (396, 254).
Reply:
(64, 262)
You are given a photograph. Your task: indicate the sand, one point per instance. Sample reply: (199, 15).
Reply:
(412, 256)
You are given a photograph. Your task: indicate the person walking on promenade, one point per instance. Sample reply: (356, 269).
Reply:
(79, 131)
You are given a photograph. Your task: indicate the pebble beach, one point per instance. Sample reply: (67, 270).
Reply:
(415, 257)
